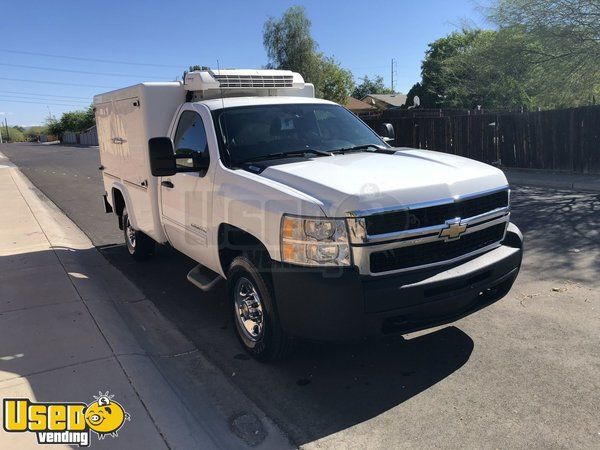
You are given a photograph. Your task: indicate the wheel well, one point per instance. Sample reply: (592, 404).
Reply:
(234, 241)
(118, 205)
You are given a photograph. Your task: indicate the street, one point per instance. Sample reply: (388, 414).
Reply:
(523, 372)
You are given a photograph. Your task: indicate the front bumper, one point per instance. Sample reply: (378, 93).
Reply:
(337, 303)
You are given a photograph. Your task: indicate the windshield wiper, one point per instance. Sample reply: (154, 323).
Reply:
(358, 148)
(286, 155)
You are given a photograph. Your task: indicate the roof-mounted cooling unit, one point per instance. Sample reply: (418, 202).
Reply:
(235, 82)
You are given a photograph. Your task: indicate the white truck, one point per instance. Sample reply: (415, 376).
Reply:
(321, 229)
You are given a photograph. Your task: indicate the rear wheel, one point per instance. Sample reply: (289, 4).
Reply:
(139, 245)
(254, 314)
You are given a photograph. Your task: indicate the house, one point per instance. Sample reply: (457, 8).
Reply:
(359, 107)
(385, 101)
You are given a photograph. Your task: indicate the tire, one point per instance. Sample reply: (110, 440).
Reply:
(254, 312)
(139, 245)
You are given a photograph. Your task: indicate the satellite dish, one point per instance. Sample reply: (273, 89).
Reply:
(416, 101)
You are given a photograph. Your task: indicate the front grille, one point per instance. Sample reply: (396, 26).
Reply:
(434, 215)
(255, 81)
(435, 252)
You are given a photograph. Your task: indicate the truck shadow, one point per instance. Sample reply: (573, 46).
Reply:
(324, 387)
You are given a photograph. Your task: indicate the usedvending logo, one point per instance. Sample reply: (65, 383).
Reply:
(65, 423)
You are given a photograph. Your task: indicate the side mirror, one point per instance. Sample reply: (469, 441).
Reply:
(386, 131)
(200, 162)
(162, 159)
(193, 161)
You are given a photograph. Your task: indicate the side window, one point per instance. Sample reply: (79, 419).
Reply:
(190, 139)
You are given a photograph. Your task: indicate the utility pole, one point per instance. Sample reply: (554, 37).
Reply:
(7, 135)
(393, 73)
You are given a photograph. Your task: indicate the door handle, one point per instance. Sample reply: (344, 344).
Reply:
(167, 184)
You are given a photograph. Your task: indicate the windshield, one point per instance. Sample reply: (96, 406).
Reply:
(250, 132)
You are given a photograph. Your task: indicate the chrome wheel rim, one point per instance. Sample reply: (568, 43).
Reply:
(248, 309)
(130, 233)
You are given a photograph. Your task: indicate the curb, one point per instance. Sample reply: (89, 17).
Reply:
(553, 181)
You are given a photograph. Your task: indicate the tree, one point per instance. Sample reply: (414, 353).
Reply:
(368, 86)
(491, 71)
(53, 126)
(337, 83)
(565, 51)
(76, 121)
(32, 133)
(15, 134)
(433, 86)
(415, 91)
(544, 53)
(472, 68)
(290, 46)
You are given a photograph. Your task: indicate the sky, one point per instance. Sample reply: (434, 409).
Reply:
(55, 55)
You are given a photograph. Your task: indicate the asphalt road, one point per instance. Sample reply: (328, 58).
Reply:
(524, 372)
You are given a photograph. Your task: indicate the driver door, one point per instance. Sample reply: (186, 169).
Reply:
(186, 197)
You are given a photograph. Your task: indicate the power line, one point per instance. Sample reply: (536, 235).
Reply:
(43, 95)
(105, 74)
(58, 82)
(39, 103)
(78, 58)
(37, 97)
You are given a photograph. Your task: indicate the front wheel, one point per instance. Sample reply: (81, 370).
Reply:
(255, 318)
(139, 245)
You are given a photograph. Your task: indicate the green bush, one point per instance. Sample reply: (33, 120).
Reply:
(14, 135)
(76, 121)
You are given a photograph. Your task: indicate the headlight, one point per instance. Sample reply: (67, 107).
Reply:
(314, 241)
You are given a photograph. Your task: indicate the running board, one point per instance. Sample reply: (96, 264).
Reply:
(203, 278)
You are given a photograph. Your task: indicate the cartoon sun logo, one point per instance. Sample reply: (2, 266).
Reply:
(105, 416)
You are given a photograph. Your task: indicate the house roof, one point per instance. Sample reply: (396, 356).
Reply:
(390, 99)
(354, 104)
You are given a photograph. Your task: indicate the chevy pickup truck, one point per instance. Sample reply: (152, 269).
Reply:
(321, 228)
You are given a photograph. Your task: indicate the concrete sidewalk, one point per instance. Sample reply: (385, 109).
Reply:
(554, 180)
(71, 325)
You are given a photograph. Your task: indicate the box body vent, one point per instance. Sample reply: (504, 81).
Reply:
(255, 81)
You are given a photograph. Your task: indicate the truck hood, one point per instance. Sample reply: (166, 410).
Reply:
(364, 181)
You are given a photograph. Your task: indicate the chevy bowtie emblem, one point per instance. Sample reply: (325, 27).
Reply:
(453, 230)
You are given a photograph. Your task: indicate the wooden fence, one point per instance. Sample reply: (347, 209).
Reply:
(87, 137)
(564, 140)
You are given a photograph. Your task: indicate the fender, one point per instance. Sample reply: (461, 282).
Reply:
(118, 185)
